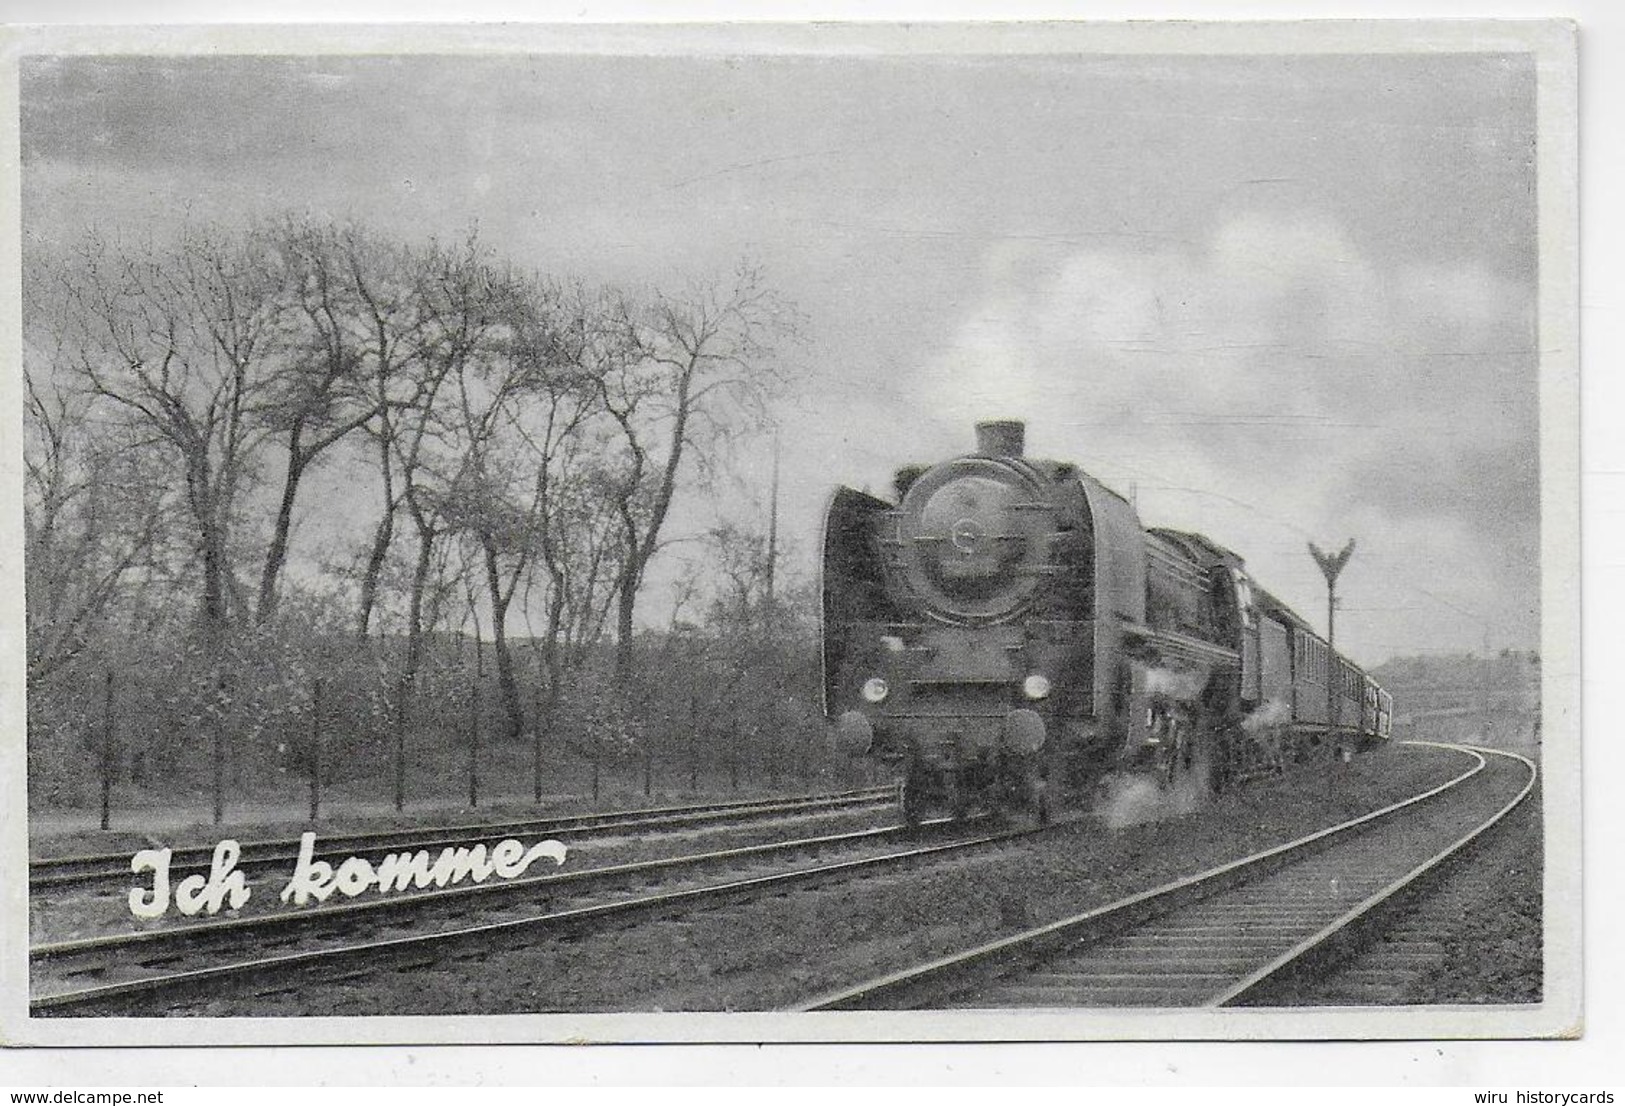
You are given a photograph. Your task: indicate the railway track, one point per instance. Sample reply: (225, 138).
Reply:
(1412, 960)
(151, 972)
(1241, 934)
(48, 873)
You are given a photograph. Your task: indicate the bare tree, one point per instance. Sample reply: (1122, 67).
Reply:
(180, 342)
(691, 373)
(96, 513)
(390, 292)
(489, 501)
(560, 401)
(559, 338)
(320, 396)
(430, 454)
(740, 557)
(579, 541)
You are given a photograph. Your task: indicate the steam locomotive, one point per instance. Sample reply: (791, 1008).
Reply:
(1008, 635)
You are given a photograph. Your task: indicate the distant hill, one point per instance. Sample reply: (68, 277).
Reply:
(1466, 697)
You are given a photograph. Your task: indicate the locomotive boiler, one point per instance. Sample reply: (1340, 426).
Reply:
(1007, 634)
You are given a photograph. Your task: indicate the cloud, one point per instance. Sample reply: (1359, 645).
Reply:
(1285, 297)
(1273, 383)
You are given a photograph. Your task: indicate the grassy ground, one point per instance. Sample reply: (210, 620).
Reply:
(1495, 949)
(436, 794)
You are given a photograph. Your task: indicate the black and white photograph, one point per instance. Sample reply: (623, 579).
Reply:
(793, 532)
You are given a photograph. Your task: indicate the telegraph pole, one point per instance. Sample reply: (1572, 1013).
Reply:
(1331, 565)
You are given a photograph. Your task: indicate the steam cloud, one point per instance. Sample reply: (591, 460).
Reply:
(1272, 713)
(1174, 683)
(1131, 799)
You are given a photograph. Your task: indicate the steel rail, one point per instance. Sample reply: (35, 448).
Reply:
(906, 987)
(96, 867)
(1338, 937)
(393, 947)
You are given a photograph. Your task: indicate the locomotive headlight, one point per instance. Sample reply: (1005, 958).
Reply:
(1035, 686)
(875, 689)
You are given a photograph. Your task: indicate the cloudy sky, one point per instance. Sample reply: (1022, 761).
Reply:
(1278, 299)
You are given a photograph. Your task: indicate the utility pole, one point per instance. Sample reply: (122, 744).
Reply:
(1331, 565)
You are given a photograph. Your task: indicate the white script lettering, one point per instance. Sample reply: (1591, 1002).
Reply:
(223, 886)
(226, 888)
(143, 905)
(317, 879)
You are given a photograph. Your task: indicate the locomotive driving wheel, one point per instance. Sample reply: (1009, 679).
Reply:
(1173, 755)
(913, 798)
(1022, 789)
(1186, 759)
(1037, 797)
(955, 793)
(1229, 750)
(1171, 762)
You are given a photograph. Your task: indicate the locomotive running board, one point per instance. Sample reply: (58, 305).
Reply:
(1157, 646)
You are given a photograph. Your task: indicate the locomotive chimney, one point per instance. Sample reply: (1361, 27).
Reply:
(1001, 438)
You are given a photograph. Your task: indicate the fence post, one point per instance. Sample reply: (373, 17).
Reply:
(595, 759)
(693, 746)
(536, 725)
(733, 746)
(316, 748)
(220, 751)
(402, 701)
(107, 757)
(648, 773)
(474, 743)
